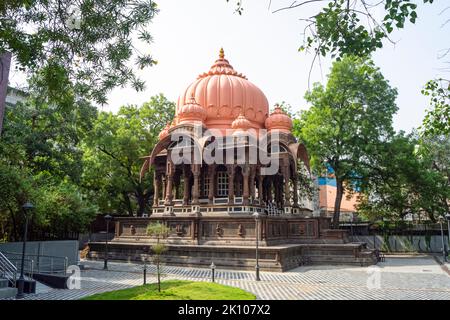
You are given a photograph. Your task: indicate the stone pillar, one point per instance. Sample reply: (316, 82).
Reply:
(287, 188)
(260, 189)
(196, 186)
(252, 182)
(169, 189)
(246, 190)
(186, 176)
(163, 178)
(169, 184)
(295, 185)
(211, 171)
(231, 184)
(156, 186)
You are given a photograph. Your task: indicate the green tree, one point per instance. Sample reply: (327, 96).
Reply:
(159, 231)
(113, 154)
(408, 178)
(437, 119)
(348, 120)
(40, 158)
(78, 48)
(345, 27)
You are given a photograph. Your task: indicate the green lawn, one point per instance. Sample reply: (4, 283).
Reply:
(177, 290)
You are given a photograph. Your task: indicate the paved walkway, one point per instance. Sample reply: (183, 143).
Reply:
(408, 277)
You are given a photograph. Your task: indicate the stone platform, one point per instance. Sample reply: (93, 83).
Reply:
(286, 242)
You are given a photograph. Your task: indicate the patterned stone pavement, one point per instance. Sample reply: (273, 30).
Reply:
(400, 277)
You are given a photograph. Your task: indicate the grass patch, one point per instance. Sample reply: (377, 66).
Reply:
(177, 290)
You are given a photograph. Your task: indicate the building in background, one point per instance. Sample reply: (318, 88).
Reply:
(327, 197)
(14, 96)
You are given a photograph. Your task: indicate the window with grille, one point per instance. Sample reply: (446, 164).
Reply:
(222, 184)
(206, 181)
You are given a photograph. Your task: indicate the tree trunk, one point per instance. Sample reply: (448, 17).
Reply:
(141, 199)
(337, 203)
(159, 276)
(127, 201)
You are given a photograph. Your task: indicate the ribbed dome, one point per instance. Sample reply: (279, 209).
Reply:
(279, 120)
(225, 94)
(165, 132)
(191, 112)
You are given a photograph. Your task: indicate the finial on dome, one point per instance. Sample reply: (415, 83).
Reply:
(222, 54)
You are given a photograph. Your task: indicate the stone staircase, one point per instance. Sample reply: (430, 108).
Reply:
(6, 291)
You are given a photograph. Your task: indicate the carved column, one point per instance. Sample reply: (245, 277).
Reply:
(260, 189)
(287, 188)
(295, 183)
(252, 182)
(195, 188)
(186, 176)
(231, 184)
(156, 186)
(169, 191)
(163, 178)
(246, 191)
(169, 184)
(211, 171)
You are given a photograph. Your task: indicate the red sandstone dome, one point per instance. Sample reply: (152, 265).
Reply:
(279, 120)
(191, 112)
(225, 94)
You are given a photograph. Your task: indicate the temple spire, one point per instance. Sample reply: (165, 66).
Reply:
(222, 54)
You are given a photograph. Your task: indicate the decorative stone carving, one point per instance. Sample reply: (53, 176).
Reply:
(132, 230)
(219, 230)
(179, 230)
(241, 230)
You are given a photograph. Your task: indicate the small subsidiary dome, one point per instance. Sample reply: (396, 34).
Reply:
(191, 112)
(241, 123)
(279, 120)
(165, 132)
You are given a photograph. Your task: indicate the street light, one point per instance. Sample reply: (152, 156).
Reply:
(256, 215)
(447, 216)
(213, 269)
(27, 207)
(107, 218)
(441, 221)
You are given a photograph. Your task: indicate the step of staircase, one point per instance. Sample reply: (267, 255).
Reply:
(5, 291)
(3, 283)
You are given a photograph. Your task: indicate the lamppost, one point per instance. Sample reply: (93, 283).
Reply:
(447, 216)
(213, 269)
(27, 207)
(107, 218)
(256, 215)
(444, 254)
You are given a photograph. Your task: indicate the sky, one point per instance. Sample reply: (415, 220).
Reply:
(264, 46)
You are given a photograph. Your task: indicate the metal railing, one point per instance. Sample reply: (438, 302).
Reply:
(8, 270)
(28, 267)
(42, 263)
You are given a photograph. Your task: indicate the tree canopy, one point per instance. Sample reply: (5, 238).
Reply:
(113, 154)
(348, 120)
(83, 48)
